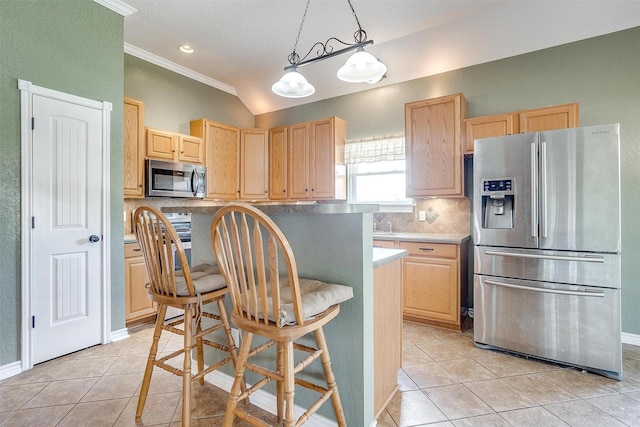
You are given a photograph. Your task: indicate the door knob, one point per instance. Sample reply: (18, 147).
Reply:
(94, 238)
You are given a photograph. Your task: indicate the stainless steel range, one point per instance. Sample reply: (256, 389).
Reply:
(182, 223)
(547, 235)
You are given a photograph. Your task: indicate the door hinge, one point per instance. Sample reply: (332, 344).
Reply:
(33, 322)
(33, 222)
(33, 123)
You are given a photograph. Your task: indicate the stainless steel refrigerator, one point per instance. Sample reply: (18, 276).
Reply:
(547, 246)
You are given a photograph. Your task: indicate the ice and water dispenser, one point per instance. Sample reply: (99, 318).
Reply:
(497, 203)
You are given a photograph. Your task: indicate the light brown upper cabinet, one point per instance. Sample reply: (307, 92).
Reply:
(550, 118)
(298, 160)
(254, 164)
(315, 155)
(536, 120)
(328, 175)
(434, 141)
(489, 126)
(222, 154)
(134, 148)
(278, 163)
(174, 147)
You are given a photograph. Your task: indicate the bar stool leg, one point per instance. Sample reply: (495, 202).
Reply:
(330, 378)
(199, 347)
(148, 370)
(236, 388)
(279, 384)
(186, 374)
(289, 384)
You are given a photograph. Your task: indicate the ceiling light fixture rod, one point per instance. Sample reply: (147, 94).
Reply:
(326, 53)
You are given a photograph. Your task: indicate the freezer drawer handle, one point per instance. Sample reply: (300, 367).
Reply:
(587, 258)
(587, 293)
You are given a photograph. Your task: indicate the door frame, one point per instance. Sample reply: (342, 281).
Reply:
(27, 90)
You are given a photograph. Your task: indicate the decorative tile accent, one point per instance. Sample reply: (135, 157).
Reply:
(442, 216)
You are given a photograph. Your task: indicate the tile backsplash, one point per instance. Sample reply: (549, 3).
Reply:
(441, 216)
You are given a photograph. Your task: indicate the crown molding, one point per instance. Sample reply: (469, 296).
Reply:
(118, 6)
(172, 66)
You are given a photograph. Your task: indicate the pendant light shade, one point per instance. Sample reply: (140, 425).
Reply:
(362, 67)
(293, 85)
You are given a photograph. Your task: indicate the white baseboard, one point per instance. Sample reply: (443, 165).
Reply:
(266, 401)
(632, 339)
(118, 335)
(10, 370)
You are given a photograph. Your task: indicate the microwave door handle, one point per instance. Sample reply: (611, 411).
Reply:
(195, 182)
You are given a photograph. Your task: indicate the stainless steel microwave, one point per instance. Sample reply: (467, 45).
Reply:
(168, 179)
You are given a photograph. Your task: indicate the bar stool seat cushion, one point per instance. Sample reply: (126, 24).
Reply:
(316, 296)
(205, 277)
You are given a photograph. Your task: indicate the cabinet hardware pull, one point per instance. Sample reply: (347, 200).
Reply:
(426, 249)
(137, 250)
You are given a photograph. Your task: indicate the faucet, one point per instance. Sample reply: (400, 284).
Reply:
(390, 229)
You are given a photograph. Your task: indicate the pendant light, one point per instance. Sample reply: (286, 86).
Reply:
(360, 67)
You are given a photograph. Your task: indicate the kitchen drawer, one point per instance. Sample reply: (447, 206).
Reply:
(438, 250)
(131, 250)
(384, 244)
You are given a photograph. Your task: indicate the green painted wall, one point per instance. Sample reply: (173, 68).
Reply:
(73, 46)
(602, 74)
(171, 100)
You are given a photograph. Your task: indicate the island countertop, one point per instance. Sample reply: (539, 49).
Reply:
(283, 208)
(382, 256)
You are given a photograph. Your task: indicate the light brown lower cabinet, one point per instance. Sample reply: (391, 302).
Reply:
(434, 282)
(138, 306)
(387, 330)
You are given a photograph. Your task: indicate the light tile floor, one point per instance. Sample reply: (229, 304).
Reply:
(445, 381)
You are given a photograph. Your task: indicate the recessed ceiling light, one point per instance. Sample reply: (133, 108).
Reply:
(185, 48)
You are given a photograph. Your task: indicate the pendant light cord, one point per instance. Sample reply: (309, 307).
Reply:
(294, 58)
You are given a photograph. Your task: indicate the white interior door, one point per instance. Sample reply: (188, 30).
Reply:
(66, 228)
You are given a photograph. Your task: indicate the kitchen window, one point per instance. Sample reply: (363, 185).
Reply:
(376, 173)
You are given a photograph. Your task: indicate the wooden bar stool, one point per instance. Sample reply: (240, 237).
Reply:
(270, 300)
(188, 289)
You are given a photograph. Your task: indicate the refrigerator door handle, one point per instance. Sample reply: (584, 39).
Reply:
(585, 293)
(543, 185)
(587, 258)
(534, 190)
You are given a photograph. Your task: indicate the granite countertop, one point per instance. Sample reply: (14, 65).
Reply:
(287, 208)
(129, 238)
(421, 237)
(382, 256)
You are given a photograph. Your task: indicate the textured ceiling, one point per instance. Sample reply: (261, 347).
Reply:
(241, 46)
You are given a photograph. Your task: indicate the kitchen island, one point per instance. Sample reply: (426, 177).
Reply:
(332, 242)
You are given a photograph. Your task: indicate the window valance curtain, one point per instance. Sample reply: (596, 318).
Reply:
(374, 149)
